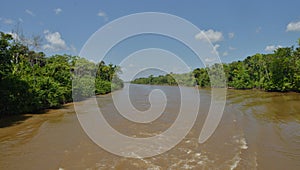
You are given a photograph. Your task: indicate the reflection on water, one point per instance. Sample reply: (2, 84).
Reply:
(259, 130)
(277, 107)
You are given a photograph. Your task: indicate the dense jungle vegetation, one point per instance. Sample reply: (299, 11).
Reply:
(278, 71)
(30, 81)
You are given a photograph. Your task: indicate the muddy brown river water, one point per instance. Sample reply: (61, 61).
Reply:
(258, 130)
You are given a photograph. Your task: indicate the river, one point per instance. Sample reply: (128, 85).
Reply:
(258, 130)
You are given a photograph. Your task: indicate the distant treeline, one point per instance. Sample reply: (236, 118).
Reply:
(278, 71)
(186, 79)
(30, 81)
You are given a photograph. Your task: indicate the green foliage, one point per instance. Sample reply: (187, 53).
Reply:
(278, 71)
(202, 77)
(29, 81)
(102, 86)
(186, 79)
(15, 96)
(217, 75)
(5, 57)
(240, 77)
(116, 83)
(83, 86)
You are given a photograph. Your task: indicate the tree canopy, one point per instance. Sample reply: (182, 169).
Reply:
(30, 81)
(278, 71)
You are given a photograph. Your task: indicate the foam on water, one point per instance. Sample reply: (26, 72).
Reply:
(243, 143)
(241, 140)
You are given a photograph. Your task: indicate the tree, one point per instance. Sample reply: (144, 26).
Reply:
(278, 71)
(5, 56)
(30, 81)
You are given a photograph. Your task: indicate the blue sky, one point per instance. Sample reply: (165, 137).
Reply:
(237, 28)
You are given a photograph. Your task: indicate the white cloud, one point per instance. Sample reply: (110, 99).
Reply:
(213, 36)
(210, 60)
(215, 49)
(225, 53)
(231, 35)
(293, 26)
(103, 15)
(54, 41)
(46, 31)
(7, 21)
(231, 48)
(271, 48)
(57, 11)
(216, 46)
(258, 30)
(29, 12)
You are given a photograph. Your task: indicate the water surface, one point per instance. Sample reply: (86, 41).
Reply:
(259, 130)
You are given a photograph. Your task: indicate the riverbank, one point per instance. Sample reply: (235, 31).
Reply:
(228, 88)
(11, 125)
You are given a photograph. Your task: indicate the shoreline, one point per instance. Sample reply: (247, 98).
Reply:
(44, 110)
(20, 121)
(228, 88)
(11, 125)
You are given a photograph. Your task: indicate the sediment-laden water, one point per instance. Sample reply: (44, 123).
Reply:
(258, 130)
